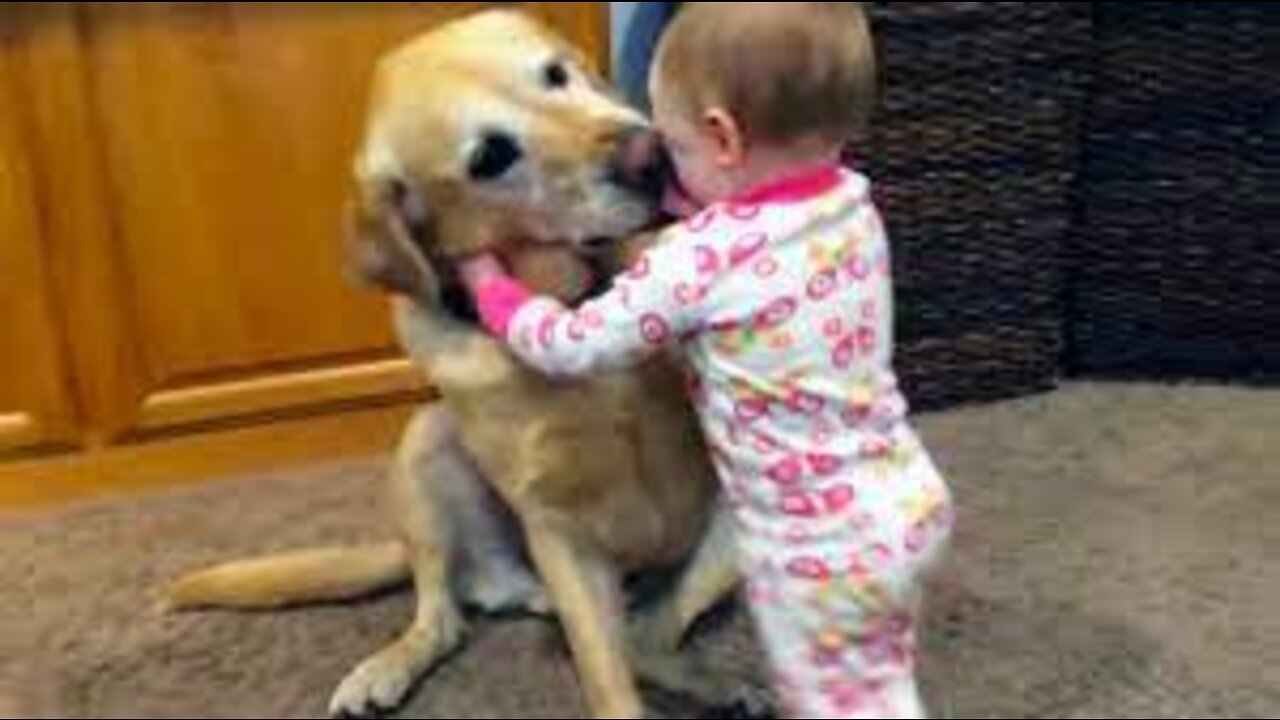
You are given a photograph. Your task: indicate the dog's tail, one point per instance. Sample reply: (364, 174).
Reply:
(308, 577)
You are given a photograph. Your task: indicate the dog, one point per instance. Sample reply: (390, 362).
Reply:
(513, 493)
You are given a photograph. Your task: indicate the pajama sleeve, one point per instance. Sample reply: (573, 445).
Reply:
(654, 304)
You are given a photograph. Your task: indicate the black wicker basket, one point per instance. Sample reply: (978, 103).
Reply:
(1176, 258)
(974, 156)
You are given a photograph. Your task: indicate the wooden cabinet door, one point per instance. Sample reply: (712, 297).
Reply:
(208, 147)
(35, 406)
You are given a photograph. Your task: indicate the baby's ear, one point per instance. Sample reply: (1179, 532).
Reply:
(728, 138)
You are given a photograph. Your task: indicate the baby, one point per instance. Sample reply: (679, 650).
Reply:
(778, 291)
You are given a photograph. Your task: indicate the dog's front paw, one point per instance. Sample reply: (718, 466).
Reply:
(382, 683)
(375, 689)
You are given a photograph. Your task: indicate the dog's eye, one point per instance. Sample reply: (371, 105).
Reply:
(494, 157)
(556, 75)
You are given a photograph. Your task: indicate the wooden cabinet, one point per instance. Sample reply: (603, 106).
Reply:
(35, 405)
(171, 178)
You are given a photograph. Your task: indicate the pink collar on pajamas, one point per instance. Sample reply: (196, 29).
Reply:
(796, 188)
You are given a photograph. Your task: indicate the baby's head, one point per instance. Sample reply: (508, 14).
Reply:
(743, 91)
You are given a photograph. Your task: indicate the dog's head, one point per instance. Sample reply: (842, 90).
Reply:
(490, 134)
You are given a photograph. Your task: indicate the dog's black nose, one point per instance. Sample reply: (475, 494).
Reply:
(640, 162)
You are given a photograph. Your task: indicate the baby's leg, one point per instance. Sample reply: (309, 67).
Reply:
(839, 618)
(842, 648)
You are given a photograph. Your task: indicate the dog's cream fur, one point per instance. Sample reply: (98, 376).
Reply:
(598, 480)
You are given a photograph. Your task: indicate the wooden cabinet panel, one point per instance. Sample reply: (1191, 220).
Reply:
(35, 407)
(218, 138)
(171, 181)
(227, 131)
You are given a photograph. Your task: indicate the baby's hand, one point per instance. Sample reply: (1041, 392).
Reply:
(498, 296)
(479, 271)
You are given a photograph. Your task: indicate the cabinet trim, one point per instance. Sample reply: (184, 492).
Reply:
(273, 393)
(18, 430)
(278, 447)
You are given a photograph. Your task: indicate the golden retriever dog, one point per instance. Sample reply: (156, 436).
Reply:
(513, 493)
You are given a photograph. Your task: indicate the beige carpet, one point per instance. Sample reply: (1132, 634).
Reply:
(1117, 559)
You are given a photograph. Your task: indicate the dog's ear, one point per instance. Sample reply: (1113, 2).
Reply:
(382, 241)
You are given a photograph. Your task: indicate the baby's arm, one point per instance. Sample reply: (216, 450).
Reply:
(650, 307)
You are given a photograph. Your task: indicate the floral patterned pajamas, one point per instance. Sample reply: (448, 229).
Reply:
(782, 304)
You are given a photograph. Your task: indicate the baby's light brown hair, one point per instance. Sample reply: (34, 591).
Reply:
(786, 71)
